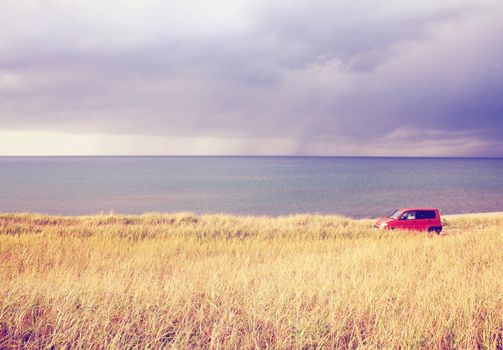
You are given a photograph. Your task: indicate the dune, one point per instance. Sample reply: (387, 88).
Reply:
(220, 281)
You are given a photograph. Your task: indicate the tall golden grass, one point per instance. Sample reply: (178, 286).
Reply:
(223, 282)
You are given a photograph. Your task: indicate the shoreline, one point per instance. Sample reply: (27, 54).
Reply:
(468, 215)
(446, 216)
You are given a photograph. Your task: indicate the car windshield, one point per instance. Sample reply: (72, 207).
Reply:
(395, 214)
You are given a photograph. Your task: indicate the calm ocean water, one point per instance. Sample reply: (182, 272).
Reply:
(359, 187)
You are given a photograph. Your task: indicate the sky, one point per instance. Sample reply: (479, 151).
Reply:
(251, 77)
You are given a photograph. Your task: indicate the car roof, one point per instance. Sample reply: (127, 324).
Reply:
(405, 209)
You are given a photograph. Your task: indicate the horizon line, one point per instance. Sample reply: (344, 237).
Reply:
(235, 156)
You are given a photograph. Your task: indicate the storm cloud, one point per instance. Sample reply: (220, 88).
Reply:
(255, 77)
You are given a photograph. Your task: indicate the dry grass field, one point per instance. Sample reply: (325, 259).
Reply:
(223, 282)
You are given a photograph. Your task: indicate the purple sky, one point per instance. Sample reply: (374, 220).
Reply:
(390, 77)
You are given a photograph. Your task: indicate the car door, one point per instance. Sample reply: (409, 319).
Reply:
(408, 220)
(422, 221)
(426, 219)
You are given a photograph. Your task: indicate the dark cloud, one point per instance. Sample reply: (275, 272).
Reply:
(313, 72)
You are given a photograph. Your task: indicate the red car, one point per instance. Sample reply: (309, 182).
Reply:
(417, 219)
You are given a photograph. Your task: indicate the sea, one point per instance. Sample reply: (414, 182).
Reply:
(274, 186)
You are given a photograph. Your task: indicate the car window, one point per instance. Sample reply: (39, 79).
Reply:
(395, 214)
(425, 214)
(409, 215)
